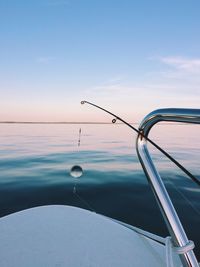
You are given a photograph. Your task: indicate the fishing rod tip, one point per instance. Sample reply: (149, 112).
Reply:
(82, 102)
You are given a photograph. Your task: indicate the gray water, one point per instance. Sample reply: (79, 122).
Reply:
(36, 159)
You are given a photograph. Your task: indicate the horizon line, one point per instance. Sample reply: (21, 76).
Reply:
(84, 122)
(55, 122)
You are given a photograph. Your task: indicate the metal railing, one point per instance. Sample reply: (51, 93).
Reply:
(178, 235)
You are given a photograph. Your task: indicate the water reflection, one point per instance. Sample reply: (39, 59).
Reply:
(35, 160)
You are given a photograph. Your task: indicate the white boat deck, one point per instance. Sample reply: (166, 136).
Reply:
(60, 236)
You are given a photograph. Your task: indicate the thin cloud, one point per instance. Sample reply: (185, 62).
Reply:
(181, 63)
(134, 90)
(180, 72)
(165, 83)
(45, 60)
(117, 79)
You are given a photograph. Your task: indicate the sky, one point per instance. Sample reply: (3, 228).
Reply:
(128, 56)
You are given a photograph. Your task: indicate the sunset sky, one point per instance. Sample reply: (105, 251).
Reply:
(128, 56)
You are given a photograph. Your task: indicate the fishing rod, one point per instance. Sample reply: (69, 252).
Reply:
(189, 174)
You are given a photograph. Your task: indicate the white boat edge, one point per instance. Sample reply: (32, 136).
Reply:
(63, 236)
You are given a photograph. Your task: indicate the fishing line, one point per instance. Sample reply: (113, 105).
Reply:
(183, 196)
(76, 172)
(189, 174)
(84, 202)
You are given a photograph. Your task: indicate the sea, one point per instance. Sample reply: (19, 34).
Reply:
(36, 162)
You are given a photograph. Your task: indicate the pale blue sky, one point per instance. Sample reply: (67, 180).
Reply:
(128, 56)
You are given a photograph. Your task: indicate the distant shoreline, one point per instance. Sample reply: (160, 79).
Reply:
(49, 122)
(85, 122)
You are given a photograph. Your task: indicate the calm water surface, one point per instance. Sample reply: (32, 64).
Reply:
(35, 163)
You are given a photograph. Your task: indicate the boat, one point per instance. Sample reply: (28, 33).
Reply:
(60, 236)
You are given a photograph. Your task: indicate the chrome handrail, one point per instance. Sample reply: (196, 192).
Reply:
(168, 211)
